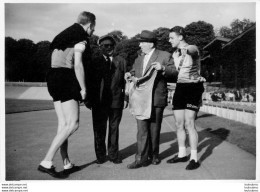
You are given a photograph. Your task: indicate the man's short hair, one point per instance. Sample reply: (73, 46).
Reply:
(86, 17)
(178, 30)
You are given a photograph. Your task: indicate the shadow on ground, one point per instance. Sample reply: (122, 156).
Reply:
(86, 165)
(204, 115)
(210, 139)
(164, 138)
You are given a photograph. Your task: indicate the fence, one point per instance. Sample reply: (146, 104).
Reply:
(244, 112)
(243, 116)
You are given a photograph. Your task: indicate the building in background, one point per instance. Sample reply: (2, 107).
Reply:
(211, 65)
(231, 62)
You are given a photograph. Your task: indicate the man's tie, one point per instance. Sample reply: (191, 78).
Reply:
(108, 61)
(108, 71)
(145, 62)
(106, 79)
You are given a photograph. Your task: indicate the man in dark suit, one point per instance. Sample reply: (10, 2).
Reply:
(107, 97)
(148, 134)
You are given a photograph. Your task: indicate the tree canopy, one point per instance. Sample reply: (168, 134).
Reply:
(236, 27)
(199, 33)
(118, 35)
(162, 35)
(26, 61)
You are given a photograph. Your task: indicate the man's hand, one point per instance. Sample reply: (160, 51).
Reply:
(158, 66)
(83, 94)
(125, 104)
(127, 76)
(134, 79)
(201, 79)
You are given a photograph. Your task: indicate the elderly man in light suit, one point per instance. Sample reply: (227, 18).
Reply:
(148, 135)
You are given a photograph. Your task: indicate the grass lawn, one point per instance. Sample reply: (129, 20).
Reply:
(26, 105)
(16, 106)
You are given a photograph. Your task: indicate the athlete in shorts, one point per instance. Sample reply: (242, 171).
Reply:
(187, 96)
(66, 84)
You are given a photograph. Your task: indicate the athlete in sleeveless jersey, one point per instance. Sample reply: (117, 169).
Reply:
(187, 96)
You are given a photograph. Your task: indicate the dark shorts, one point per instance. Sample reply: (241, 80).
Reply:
(188, 96)
(63, 85)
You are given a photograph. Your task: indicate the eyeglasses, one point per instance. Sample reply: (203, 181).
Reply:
(107, 45)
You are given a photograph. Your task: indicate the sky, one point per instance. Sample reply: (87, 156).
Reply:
(42, 21)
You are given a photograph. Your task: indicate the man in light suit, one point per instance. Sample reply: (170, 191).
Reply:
(148, 134)
(107, 99)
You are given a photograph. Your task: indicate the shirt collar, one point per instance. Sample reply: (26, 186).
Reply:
(81, 26)
(183, 45)
(111, 57)
(150, 53)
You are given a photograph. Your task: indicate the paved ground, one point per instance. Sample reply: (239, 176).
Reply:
(29, 134)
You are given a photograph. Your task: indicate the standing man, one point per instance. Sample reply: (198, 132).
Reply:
(238, 95)
(148, 133)
(66, 84)
(187, 96)
(107, 99)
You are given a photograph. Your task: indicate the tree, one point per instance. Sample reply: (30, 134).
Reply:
(226, 32)
(19, 59)
(94, 46)
(25, 55)
(118, 35)
(236, 27)
(199, 33)
(93, 40)
(162, 35)
(42, 61)
(128, 49)
(11, 61)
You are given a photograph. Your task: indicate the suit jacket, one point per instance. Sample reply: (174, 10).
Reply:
(107, 82)
(160, 91)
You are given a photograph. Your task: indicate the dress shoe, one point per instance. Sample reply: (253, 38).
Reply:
(192, 165)
(137, 164)
(116, 161)
(51, 171)
(73, 169)
(156, 161)
(177, 159)
(146, 163)
(101, 161)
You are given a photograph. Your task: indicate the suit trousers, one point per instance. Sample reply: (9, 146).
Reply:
(100, 117)
(148, 135)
